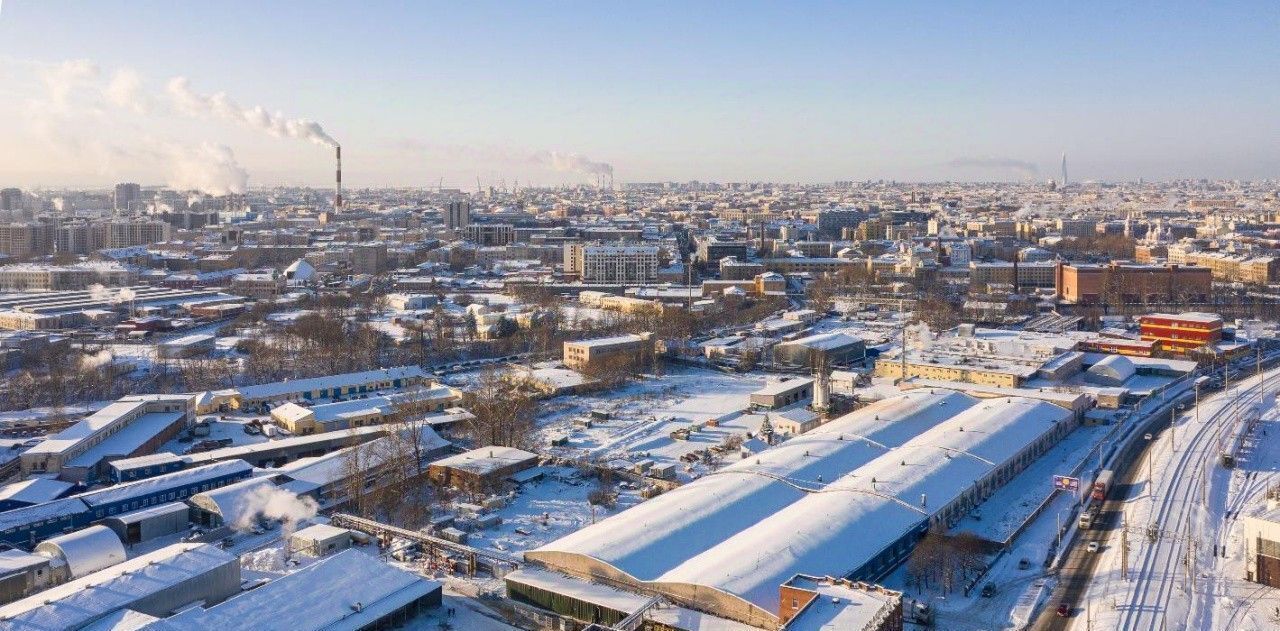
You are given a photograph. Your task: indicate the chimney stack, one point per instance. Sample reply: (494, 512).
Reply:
(337, 200)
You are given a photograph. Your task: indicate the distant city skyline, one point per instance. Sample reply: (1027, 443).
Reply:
(563, 93)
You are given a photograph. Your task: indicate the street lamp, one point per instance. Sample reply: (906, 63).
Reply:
(1151, 485)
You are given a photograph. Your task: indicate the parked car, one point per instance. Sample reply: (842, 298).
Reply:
(1064, 610)
(988, 590)
(1094, 546)
(1024, 563)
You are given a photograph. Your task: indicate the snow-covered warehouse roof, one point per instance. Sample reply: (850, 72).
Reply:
(85, 551)
(323, 595)
(656, 536)
(236, 503)
(730, 540)
(1113, 370)
(129, 584)
(284, 388)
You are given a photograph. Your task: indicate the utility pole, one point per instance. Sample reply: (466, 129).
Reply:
(1124, 546)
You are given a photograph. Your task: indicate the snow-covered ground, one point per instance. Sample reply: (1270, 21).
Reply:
(643, 414)
(544, 510)
(1194, 506)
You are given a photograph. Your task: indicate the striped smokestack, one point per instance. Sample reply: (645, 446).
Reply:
(337, 200)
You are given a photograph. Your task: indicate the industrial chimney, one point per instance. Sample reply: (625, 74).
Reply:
(337, 200)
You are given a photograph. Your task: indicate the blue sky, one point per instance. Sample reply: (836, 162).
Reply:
(803, 91)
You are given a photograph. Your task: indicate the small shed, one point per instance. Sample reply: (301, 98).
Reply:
(151, 522)
(320, 540)
(84, 551)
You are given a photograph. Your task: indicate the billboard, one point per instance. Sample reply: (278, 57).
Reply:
(1066, 483)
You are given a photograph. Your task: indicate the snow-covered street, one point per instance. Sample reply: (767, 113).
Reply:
(1179, 523)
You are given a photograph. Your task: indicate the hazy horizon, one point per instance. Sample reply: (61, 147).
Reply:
(222, 95)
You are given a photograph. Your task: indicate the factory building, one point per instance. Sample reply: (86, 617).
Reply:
(154, 584)
(481, 468)
(132, 426)
(830, 349)
(349, 590)
(149, 523)
(957, 452)
(621, 350)
(262, 396)
(84, 551)
(33, 524)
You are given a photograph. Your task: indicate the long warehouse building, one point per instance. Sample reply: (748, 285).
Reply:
(849, 499)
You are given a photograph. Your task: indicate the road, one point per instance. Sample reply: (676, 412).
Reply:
(1163, 546)
(1156, 564)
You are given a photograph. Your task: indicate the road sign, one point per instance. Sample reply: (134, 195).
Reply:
(1065, 483)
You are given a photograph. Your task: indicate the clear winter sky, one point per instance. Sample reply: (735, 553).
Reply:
(784, 91)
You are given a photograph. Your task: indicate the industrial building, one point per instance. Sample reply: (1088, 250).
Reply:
(819, 603)
(154, 584)
(348, 591)
(622, 350)
(361, 412)
(1181, 333)
(481, 468)
(29, 525)
(149, 523)
(830, 349)
(84, 551)
(879, 477)
(132, 426)
(262, 396)
(320, 540)
(1262, 547)
(782, 393)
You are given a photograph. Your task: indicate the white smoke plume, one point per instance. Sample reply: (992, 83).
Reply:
(124, 295)
(1023, 168)
(99, 293)
(209, 168)
(125, 91)
(573, 163)
(221, 106)
(270, 502)
(96, 360)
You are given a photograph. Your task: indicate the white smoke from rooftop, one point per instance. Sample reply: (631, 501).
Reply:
(96, 360)
(219, 105)
(99, 293)
(270, 502)
(124, 295)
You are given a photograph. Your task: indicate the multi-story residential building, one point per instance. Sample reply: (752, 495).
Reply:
(624, 264)
(369, 258)
(457, 214)
(490, 233)
(31, 277)
(130, 232)
(22, 240)
(10, 199)
(127, 196)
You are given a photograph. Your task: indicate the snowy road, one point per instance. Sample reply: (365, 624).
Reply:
(1177, 521)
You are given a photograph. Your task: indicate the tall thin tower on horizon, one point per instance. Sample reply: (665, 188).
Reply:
(1064, 168)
